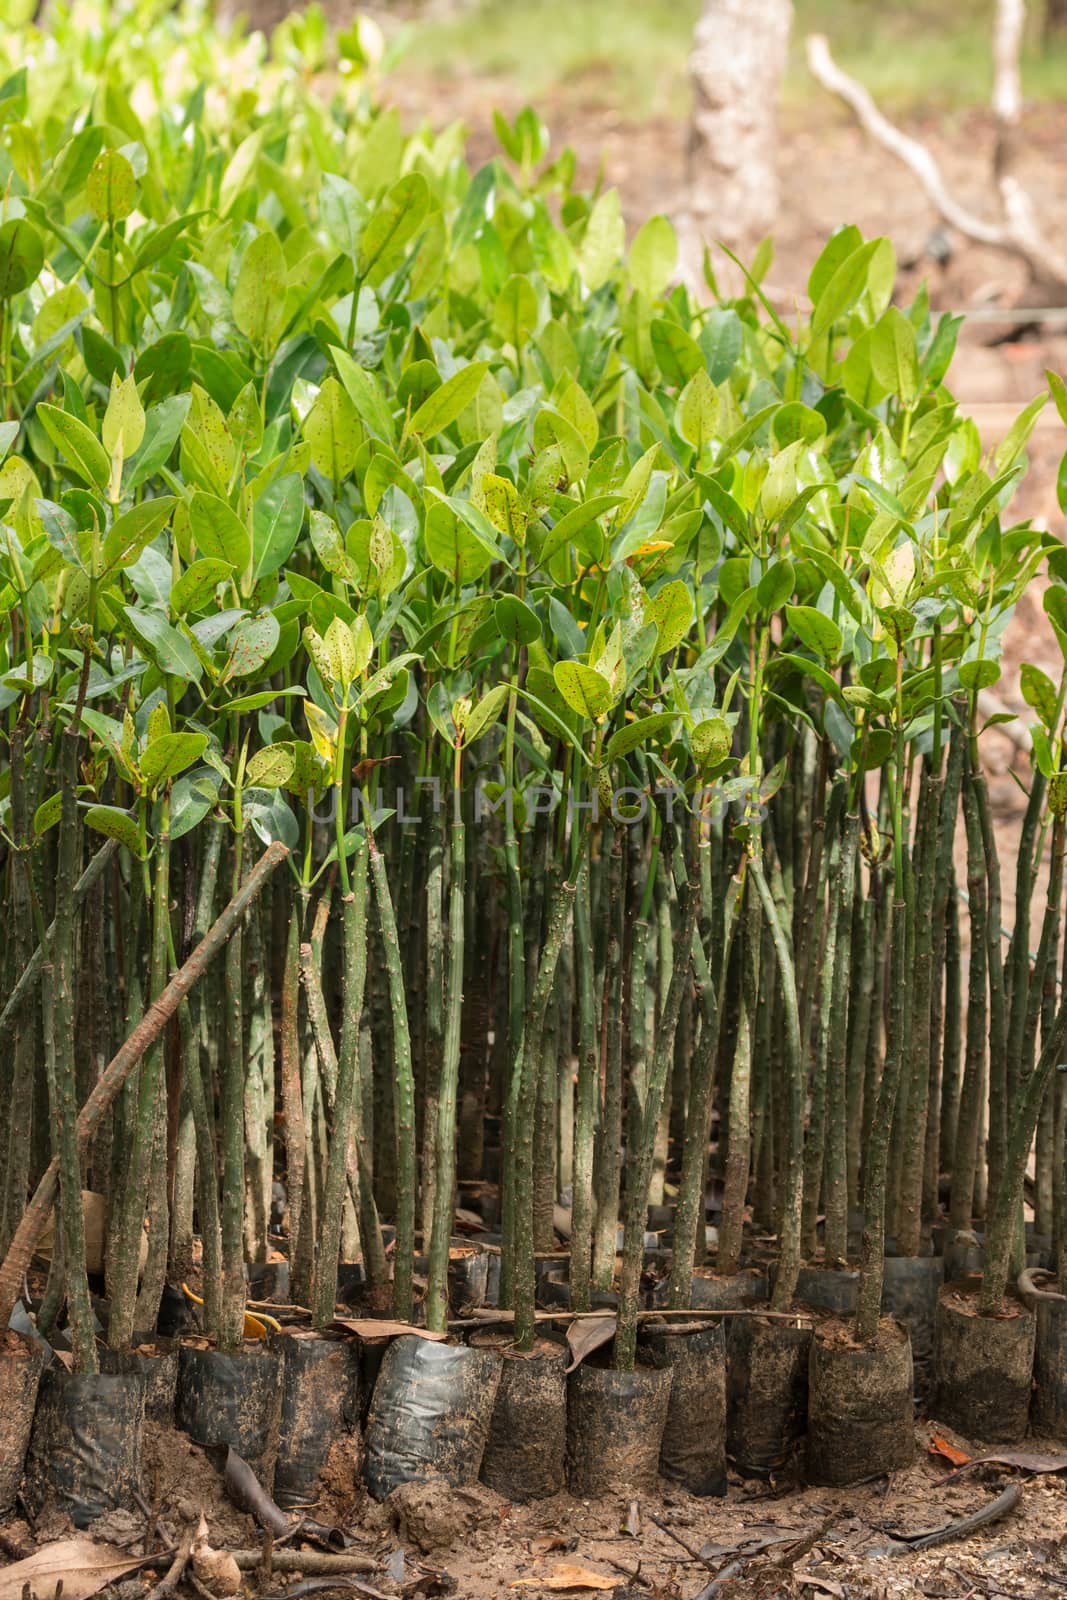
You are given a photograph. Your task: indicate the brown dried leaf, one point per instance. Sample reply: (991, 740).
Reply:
(381, 1328)
(568, 1575)
(83, 1566)
(1025, 1460)
(588, 1334)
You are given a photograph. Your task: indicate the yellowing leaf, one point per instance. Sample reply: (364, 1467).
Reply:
(323, 732)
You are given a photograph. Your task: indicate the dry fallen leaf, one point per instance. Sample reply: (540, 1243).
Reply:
(588, 1334)
(1025, 1460)
(568, 1575)
(380, 1328)
(941, 1447)
(82, 1566)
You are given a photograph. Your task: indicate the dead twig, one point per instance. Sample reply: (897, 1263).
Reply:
(176, 1571)
(320, 1562)
(789, 1557)
(689, 1549)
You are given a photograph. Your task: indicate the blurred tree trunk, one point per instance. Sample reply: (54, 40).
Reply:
(1055, 16)
(736, 68)
(262, 14)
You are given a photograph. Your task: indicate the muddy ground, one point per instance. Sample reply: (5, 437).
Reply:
(765, 1539)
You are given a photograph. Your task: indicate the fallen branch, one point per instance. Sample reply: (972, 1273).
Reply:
(108, 1085)
(318, 1561)
(965, 1526)
(1018, 234)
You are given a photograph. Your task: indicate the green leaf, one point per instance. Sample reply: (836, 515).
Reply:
(78, 445)
(271, 767)
(169, 649)
(195, 589)
(712, 741)
(48, 813)
(276, 521)
(515, 621)
(653, 257)
(894, 355)
(815, 629)
(136, 528)
(365, 393)
(333, 430)
(169, 754)
(720, 343)
(776, 585)
(1040, 692)
(678, 355)
(21, 256)
(124, 419)
(259, 297)
(603, 241)
(515, 313)
(1058, 390)
(672, 612)
(843, 289)
(453, 546)
(636, 734)
(482, 715)
(444, 405)
(163, 425)
(191, 798)
(111, 189)
(571, 524)
(218, 531)
(114, 824)
(1014, 442)
(585, 690)
(392, 225)
(981, 674)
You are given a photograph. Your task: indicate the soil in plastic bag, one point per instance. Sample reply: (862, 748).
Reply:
(766, 1392)
(22, 1361)
(232, 1397)
(615, 1423)
(714, 1291)
(1050, 1369)
(910, 1289)
(86, 1443)
(860, 1411)
(832, 1289)
(320, 1405)
(982, 1368)
(430, 1414)
(693, 1451)
(468, 1277)
(524, 1454)
(157, 1362)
